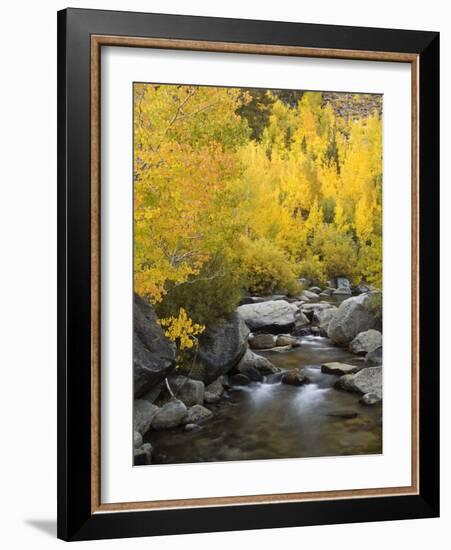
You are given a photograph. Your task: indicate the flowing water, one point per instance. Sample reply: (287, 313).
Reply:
(275, 420)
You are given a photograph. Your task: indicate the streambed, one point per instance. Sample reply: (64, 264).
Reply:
(273, 420)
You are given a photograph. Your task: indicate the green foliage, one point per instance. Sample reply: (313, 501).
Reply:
(374, 305)
(289, 97)
(331, 155)
(207, 298)
(256, 110)
(328, 206)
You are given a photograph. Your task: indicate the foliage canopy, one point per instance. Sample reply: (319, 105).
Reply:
(246, 191)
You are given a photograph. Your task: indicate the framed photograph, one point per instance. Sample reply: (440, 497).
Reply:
(248, 274)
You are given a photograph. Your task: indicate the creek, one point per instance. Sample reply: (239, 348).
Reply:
(273, 420)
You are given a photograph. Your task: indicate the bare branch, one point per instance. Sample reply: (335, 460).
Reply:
(204, 108)
(169, 388)
(179, 109)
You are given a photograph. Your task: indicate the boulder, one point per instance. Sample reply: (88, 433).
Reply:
(214, 391)
(282, 349)
(251, 300)
(239, 380)
(197, 413)
(368, 380)
(251, 359)
(301, 320)
(374, 357)
(361, 289)
(287, 340)
(192, 427)
(309, 295)
(343, 286)
(365, 342)
(314, 289)
(171, 415)
(277, 297)
(339, 368)
(143, 414)
(221, 348)
(301, 331)
(370, 399)
(275, 315)
(154, 393)
(262, 341)
(142, 455)
(305, 283)
(137, 439)
(326, 292)
(191, 392)
(153, 353)
(344, 382)
(322, 317)
(350, 319)
(295, 377)
(310, 309)
(251, 373)
(274, 378)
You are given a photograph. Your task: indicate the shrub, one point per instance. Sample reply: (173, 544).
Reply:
(266, 268)
(337, 251)
(312, 268)
(374, 305)
(208, 297)
(370, 262)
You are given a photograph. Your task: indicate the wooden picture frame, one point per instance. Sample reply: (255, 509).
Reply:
(81, 35)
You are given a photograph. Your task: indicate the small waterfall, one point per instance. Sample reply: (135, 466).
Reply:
(309, 397)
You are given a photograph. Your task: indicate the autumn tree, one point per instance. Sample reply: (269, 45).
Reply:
(185, 144)
(241, 190)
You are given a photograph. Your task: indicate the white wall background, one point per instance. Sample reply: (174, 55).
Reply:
(28, 273)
